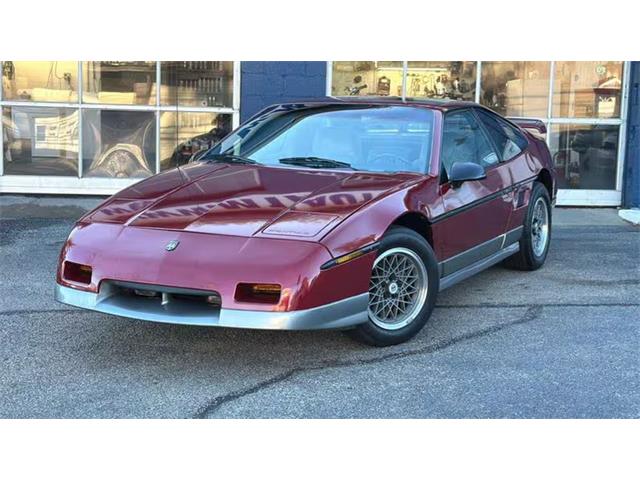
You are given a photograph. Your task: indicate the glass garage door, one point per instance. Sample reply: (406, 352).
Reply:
(582, 103)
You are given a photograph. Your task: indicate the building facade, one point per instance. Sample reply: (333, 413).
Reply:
(96, 127)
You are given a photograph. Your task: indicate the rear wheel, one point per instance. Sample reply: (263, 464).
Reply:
(536, 234)
(402, 289)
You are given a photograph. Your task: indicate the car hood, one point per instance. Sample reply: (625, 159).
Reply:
(247, 200)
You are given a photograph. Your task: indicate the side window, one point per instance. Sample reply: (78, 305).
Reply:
(507, 139)
(464, 141)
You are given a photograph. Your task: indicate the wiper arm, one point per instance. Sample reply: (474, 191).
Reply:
(315, 162)
(227, 157)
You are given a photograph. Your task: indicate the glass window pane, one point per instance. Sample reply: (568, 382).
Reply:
(587, 89)
(123, 83)
(464, 141)
(184, 133)
(197, 84)
(40, 81)
(508, 141)
(40, 141)
(119, 144)
(366, 78)
(585, 156)
(516, 89)
(455, 80)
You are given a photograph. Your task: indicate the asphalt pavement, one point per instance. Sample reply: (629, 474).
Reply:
(561, 342)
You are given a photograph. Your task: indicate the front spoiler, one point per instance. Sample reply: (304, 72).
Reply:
(341, 314)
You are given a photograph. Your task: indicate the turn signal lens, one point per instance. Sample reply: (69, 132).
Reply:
(350, 256)
(258, 292)
(76, 272)
(265, 289)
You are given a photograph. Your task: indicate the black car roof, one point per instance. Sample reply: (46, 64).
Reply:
(409, 101)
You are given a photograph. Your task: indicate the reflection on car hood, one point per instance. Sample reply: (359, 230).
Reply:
(247, 200)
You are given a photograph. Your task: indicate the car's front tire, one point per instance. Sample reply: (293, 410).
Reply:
(536, 234)
(402, 290)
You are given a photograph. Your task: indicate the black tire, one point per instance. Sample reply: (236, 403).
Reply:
(401, 237)
(526, 258)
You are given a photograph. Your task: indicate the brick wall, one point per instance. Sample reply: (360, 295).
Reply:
(265, 83)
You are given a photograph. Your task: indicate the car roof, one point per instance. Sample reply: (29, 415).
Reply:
(435, 104)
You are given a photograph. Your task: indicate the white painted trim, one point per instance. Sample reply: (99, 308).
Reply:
(405, 71)
(478, 81)
(329, 78)
(622, 139)
(108, 106)
(586, 121)
(552, 80)
(80, 89)
(237, 85)
(588, 198)
(158, 112)
(63, 185)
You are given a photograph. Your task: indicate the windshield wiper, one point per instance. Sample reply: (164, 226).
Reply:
(227, 157)
(315, 162)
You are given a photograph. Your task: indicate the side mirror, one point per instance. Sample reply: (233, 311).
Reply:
(465, 171)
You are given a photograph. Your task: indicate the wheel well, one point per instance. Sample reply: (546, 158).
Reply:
(544, 177)
(416, 222)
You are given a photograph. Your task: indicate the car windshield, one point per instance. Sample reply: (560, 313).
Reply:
(376, 138)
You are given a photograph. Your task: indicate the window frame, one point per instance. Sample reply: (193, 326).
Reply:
(483, 131)
(566, 197)
(94, 185)
(500, 120)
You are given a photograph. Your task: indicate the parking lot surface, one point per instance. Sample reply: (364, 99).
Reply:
(563, 341)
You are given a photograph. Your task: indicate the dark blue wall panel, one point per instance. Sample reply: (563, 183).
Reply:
(266, 83)
(631, 178)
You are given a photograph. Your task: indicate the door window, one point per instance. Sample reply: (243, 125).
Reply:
(507, 139)
(464, 141)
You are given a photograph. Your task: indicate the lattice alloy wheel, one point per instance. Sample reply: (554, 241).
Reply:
(398, 288)
(539, 227)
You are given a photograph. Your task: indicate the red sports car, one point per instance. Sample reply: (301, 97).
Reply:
(346, 214)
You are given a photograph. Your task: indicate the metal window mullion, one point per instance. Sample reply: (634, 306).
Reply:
(13, 103)
(405, 66)
(79, 107)
(235, 111)
(552, 74)
(585, 121)
(118, 106)
(478, 80)
(622, 132)
(158, 113)
(198, 109)
(329, 78)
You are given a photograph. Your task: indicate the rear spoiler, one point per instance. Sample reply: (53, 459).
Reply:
(530, 124)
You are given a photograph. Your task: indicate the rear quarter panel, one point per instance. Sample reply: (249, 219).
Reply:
(525, 171)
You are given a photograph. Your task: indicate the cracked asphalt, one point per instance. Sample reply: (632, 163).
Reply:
(561, 342)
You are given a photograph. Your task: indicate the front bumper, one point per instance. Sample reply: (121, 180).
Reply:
(341, 314)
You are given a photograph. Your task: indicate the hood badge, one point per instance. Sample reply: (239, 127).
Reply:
(172, 245)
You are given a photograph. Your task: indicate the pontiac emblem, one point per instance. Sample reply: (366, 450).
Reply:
(172, 245)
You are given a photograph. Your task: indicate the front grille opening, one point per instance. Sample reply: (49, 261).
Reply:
(76, 272)
(162, 296)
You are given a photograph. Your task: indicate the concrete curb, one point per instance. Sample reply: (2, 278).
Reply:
(632, 215)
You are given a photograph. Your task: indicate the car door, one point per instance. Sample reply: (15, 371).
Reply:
(476, 212)
(512, 145)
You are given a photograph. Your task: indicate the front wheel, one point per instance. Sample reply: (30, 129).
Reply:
(402, 289)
